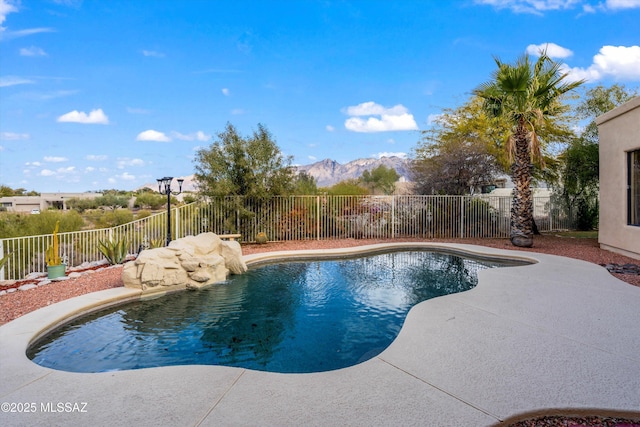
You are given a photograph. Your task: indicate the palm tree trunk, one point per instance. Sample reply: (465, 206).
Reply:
(522, 206)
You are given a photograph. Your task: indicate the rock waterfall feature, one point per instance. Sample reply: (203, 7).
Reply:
(190, 262)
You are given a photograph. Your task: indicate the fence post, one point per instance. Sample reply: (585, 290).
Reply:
(176, 215)
(318, 217)
(462, 216)
(393, 216)
(2, 256)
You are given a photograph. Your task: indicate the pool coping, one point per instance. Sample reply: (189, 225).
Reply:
(554, 337)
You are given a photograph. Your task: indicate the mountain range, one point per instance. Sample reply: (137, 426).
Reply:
(328, 172)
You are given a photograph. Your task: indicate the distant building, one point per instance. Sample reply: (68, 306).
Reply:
(619, 134)
(35, 204)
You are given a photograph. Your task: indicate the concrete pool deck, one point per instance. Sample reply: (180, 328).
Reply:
(560, 336)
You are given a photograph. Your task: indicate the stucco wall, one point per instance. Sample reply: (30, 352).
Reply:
(619, 133)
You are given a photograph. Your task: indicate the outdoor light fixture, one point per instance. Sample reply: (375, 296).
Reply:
(164, 187)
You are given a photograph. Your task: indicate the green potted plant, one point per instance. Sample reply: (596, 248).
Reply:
(55, 267)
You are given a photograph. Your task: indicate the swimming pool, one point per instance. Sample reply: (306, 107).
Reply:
(292, 317)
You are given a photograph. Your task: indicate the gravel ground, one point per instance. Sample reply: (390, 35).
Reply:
(19, 303)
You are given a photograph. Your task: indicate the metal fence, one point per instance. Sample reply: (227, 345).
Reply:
(295, 218)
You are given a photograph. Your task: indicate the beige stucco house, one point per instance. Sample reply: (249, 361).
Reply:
(42, 202)
(619, 134)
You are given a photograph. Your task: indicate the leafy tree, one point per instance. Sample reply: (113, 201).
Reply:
(243, 166)
(529, 98)
(150, 200)
(454, 167)
(304, 184)
(82, 205)
(382, 178)
(462, 151)
(113, 200)
(349, 187)
(6, 191)
(580, 174)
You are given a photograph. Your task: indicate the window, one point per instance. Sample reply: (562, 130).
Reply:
(633, 185)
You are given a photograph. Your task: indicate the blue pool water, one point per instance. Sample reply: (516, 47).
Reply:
(290, 317)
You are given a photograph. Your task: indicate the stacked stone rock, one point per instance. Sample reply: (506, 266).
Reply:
(190, 262)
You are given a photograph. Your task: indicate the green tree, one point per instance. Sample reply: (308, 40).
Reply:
(253, 167)
(113, 200)
(6, 191)
(82, 205)
(462, 151)
(348, 187)
(304, 184)
(382, 178)
(243, 166)
(150, 200)
(529, 98)
(580, 174)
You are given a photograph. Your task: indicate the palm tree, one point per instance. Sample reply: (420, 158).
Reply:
(528, 97)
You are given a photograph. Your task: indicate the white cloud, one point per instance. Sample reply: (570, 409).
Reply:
(197, 136)
(14, 80)
(32, 51)
(312, 158)
(237, 111)
(152, 135)
(225, 91)
(96, 157)
(126, 177)
(396, 118)
(537, 7)
(60, 172)
(391, 141)
(33, 164)
(8, 35)
(1, 148)
(330, 128)
(153, 53)
(12, 136)
(89, 169)
(391, 154)
(125, 161)
(622, 4)
(552, 49)
(530, 6)
(5, 9)
(615, 62)
(94, 117)
(54, 159)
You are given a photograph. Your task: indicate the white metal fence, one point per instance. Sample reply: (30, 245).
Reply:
(295, 218)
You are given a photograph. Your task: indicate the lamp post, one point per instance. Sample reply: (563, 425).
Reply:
(164, 187)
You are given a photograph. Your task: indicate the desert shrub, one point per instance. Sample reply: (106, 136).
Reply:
(114, 218)
(17, 225)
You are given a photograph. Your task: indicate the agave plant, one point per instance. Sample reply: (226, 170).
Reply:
(115, 251)
(5, 259)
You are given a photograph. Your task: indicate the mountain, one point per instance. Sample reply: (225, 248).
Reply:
(328, 172)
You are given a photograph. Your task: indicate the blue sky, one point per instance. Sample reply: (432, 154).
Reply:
(114, 94)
